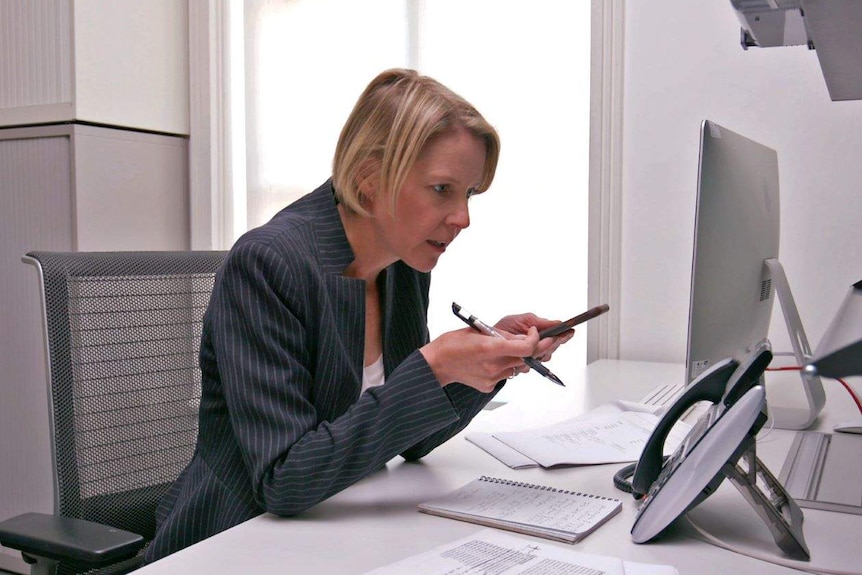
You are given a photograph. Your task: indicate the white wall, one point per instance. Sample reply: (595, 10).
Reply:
(683, 64)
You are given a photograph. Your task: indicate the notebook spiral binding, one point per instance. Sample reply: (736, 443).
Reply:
(541, 487)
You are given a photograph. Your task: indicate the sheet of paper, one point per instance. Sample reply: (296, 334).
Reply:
(511, 457)
(490, 551)
(514, 458)
(602, 438)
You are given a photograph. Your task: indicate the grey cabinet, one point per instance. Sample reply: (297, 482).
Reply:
(68, 187)
(68, 181)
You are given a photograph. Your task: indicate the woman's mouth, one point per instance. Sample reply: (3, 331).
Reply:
(441, 246)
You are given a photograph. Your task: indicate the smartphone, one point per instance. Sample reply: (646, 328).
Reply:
(570, 323)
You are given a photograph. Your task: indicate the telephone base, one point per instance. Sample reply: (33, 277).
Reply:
(770, 500)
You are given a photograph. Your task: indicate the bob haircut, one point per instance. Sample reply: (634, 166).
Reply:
(396, 116)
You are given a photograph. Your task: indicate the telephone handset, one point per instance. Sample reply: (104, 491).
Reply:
(708, 387)
(724, 382)
(711, 451)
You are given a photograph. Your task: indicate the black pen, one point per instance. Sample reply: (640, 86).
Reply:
(483, 327)
(570, 323)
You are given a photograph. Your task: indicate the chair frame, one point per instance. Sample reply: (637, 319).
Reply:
(48, 541)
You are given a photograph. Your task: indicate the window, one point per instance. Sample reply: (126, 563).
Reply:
(526, 67)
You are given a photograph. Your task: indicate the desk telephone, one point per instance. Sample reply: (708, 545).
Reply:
(722, 439)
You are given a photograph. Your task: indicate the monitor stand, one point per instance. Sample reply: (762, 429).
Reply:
(795, 417)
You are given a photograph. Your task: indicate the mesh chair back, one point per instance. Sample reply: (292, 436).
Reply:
(123, 336)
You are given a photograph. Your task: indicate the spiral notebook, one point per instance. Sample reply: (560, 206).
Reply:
(526, 508)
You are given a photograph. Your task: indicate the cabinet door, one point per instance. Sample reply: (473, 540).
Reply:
(35, 214)
(131, 190)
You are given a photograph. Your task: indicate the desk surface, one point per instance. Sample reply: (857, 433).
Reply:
(375, 522)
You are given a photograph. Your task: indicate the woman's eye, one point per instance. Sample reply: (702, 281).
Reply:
(441, 188)
(471, 192)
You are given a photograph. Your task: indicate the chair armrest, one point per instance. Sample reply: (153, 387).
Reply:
(67, 540)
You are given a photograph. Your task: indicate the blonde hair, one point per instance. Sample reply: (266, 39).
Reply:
(396, 116)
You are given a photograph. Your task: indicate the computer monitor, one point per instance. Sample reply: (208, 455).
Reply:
(736, 231)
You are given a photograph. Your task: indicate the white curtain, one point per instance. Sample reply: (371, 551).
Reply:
(526, 67)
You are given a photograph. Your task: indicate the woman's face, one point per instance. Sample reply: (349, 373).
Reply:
(432, 207)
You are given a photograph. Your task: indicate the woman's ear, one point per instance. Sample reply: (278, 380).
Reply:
(369, 188)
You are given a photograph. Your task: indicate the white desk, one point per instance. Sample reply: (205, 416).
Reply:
(375, 522)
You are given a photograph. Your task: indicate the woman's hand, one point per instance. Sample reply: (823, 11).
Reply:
(481, 361)
(521, 323)
(478, 360)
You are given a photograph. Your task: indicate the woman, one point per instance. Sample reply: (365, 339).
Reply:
(315, 355)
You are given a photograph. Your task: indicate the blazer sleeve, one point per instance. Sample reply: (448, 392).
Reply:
(293, 457)
(413, 293)
(467, 402)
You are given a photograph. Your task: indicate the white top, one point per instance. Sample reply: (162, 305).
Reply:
(372, 375)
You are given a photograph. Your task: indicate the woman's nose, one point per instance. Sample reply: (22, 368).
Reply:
(460, 217)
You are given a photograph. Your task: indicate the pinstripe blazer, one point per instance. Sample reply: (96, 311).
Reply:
(282, 423)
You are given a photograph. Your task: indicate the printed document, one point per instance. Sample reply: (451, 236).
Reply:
(490, 551)
(594, 438)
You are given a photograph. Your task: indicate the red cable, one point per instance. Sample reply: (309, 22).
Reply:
(846, 385)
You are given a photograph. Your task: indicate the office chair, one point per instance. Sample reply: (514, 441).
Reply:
(123, 333)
